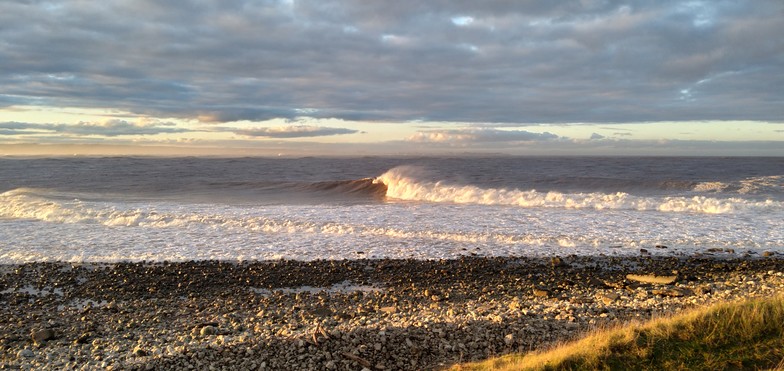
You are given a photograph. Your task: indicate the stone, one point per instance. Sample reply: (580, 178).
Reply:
(388, 310)
(208, 330)
(330, 365)
(556, 262)
(509, 339)
(42, 335)
(541, 292)
(25, 353)
(768, 254)
(651, 278)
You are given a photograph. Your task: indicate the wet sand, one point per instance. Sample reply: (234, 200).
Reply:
(344, 315)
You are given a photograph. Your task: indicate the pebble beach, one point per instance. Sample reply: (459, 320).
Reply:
(384, 314)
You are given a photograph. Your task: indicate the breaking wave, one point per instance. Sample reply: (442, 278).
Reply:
(403, 183)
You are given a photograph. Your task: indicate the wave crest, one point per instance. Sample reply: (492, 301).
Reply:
(403, 183)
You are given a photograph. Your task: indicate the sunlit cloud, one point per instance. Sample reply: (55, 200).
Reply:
(479, 136)
(293, 131)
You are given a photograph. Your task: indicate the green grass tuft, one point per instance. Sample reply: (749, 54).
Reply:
(743, 335)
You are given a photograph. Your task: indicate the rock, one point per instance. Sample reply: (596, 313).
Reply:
(556, 262)
(660, 247)
(388, 310)
(25, 353)
(208, 330)
(541, 292)
(330, 365)
(768, 254)
(650, 278)
(42, 335)
(509, 339)
(643, 251)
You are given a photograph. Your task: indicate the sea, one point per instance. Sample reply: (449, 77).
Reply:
(109, 209)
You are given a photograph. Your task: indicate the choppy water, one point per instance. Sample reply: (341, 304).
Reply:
(109, 209)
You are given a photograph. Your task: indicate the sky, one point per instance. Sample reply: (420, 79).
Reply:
(323, 77)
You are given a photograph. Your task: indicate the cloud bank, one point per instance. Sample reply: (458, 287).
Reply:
(480, 136)
(110, 128)
(452, 61)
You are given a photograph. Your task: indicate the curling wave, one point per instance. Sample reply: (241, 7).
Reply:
(365, 186)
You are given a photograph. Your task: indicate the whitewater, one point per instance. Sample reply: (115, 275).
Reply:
(175, 209)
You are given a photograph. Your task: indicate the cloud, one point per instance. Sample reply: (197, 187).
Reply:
(109, 128)
(596, 136)
(293, 131)
(489, 61)
(480, 136)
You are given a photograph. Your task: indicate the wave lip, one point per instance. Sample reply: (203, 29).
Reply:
(364, 186)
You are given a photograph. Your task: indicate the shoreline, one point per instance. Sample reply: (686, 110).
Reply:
(380, 314)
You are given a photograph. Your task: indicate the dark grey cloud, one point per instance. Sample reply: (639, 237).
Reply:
(293, 131)
(596, 136)
(111, 128)
(490, 61)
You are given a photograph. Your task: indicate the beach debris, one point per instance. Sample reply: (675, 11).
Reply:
(363, 362)
(672, 292)
(652, 278)
(609, 297)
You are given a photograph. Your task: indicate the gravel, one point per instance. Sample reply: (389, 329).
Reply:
(342, 315)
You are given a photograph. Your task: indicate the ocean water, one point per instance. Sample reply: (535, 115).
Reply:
(132, 209)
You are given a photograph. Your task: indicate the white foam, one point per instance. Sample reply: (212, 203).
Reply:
(37, 226)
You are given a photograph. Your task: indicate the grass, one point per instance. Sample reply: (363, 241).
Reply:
(741, 335)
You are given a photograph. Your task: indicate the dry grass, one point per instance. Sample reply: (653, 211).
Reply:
(743, 335)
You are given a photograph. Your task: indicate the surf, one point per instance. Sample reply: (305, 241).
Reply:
(406, 183)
